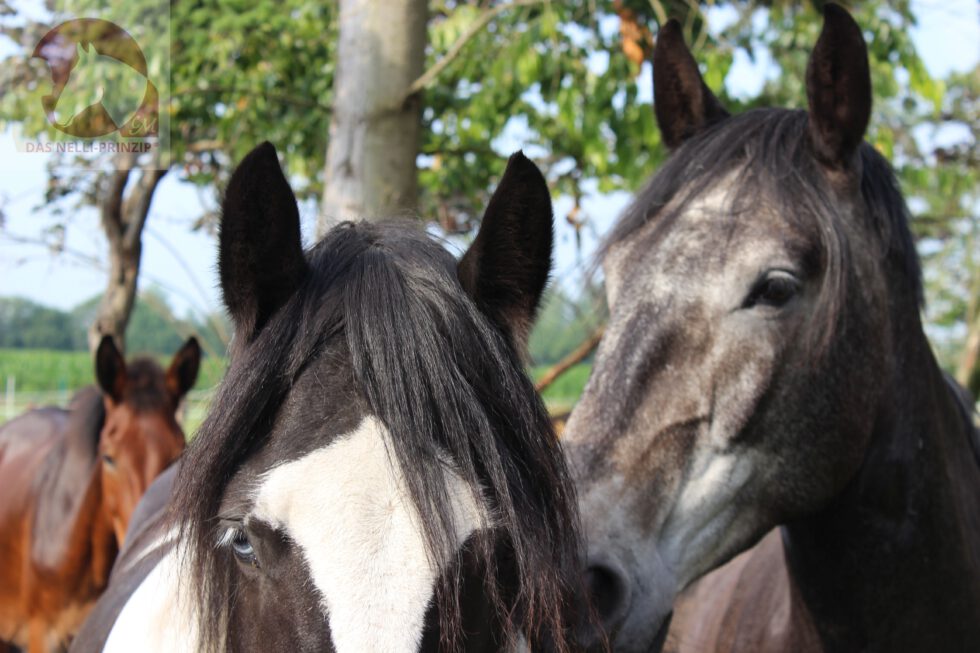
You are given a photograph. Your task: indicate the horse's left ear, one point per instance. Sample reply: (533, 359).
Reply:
(838, 87)
(110, 369)
(182, 372)
(506, 268)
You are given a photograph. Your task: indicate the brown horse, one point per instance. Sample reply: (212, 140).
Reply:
(765, 367)
(69, 481)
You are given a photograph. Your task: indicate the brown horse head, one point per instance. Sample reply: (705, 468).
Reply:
(140, 436)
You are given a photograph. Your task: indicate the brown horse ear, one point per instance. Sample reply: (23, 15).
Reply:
(838, 87)
(260, 251)
(506, 268)
(683, 103)
(182, 372)
(110, 369)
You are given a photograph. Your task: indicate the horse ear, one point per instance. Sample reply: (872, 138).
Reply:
(683, 103)
(260, 251)
(838, 87)
(182, 372)
(506, 268)
(110, 369)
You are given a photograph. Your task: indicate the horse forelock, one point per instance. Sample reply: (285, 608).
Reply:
(146, 386)
(383, 309)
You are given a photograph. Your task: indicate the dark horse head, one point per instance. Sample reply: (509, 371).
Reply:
(764, 361)
(376, 472)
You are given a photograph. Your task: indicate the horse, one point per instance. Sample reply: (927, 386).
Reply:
(765, 376)
(376, 472)
(69, 482)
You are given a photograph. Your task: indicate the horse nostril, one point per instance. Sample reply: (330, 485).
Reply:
(609, 591)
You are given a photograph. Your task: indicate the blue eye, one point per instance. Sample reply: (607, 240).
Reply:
(242, 547)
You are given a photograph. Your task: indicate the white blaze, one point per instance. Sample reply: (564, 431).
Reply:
(347, 506)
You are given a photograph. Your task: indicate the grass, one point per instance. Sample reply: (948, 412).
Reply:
(44, 370)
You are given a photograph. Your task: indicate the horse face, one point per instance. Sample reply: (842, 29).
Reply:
(318, 534)
(724, 399)
(349, 460)
(140, 436)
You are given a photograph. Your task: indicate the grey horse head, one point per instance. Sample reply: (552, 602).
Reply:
(751, 288)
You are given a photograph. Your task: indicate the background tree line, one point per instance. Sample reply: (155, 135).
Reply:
(564, 322)
(153, 328)
(465, 80)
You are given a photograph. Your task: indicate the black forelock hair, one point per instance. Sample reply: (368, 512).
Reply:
(770, 152)
(448, 386)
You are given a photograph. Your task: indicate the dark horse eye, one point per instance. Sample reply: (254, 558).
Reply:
(242, 547)
(108, 460)
(775, 289)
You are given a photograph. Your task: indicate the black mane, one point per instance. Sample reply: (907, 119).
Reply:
(443, 380)
(771, 150)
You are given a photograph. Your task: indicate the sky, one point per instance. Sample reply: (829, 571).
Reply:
(182, 262)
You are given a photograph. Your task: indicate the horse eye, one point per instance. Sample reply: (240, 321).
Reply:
(108, 460)
(242, 548)
(776, 289)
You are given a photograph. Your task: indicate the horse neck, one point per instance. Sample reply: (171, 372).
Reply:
(72, 535)
(893, 563)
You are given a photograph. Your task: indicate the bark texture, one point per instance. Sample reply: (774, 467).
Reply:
(124, 207)
(374, 129)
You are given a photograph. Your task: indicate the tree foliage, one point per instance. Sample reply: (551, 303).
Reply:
(564, 321)
(25, 324)
(153, 327)
(565, 81)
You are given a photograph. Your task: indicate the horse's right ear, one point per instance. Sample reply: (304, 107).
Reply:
(260, 251)
(838, 87)
(683, 103)
(110, 369)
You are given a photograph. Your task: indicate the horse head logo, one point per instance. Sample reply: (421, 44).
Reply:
(100, 81)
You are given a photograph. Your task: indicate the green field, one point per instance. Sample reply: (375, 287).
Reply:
(44, 370)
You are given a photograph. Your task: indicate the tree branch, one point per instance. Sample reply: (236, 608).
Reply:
(432, 73)
(137, 206)
(198, 147)
(112, 203)
(571, 360)
(658, 10)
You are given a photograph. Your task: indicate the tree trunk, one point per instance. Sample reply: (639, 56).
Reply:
(123, 217)
(967, 373)
(374, 128)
